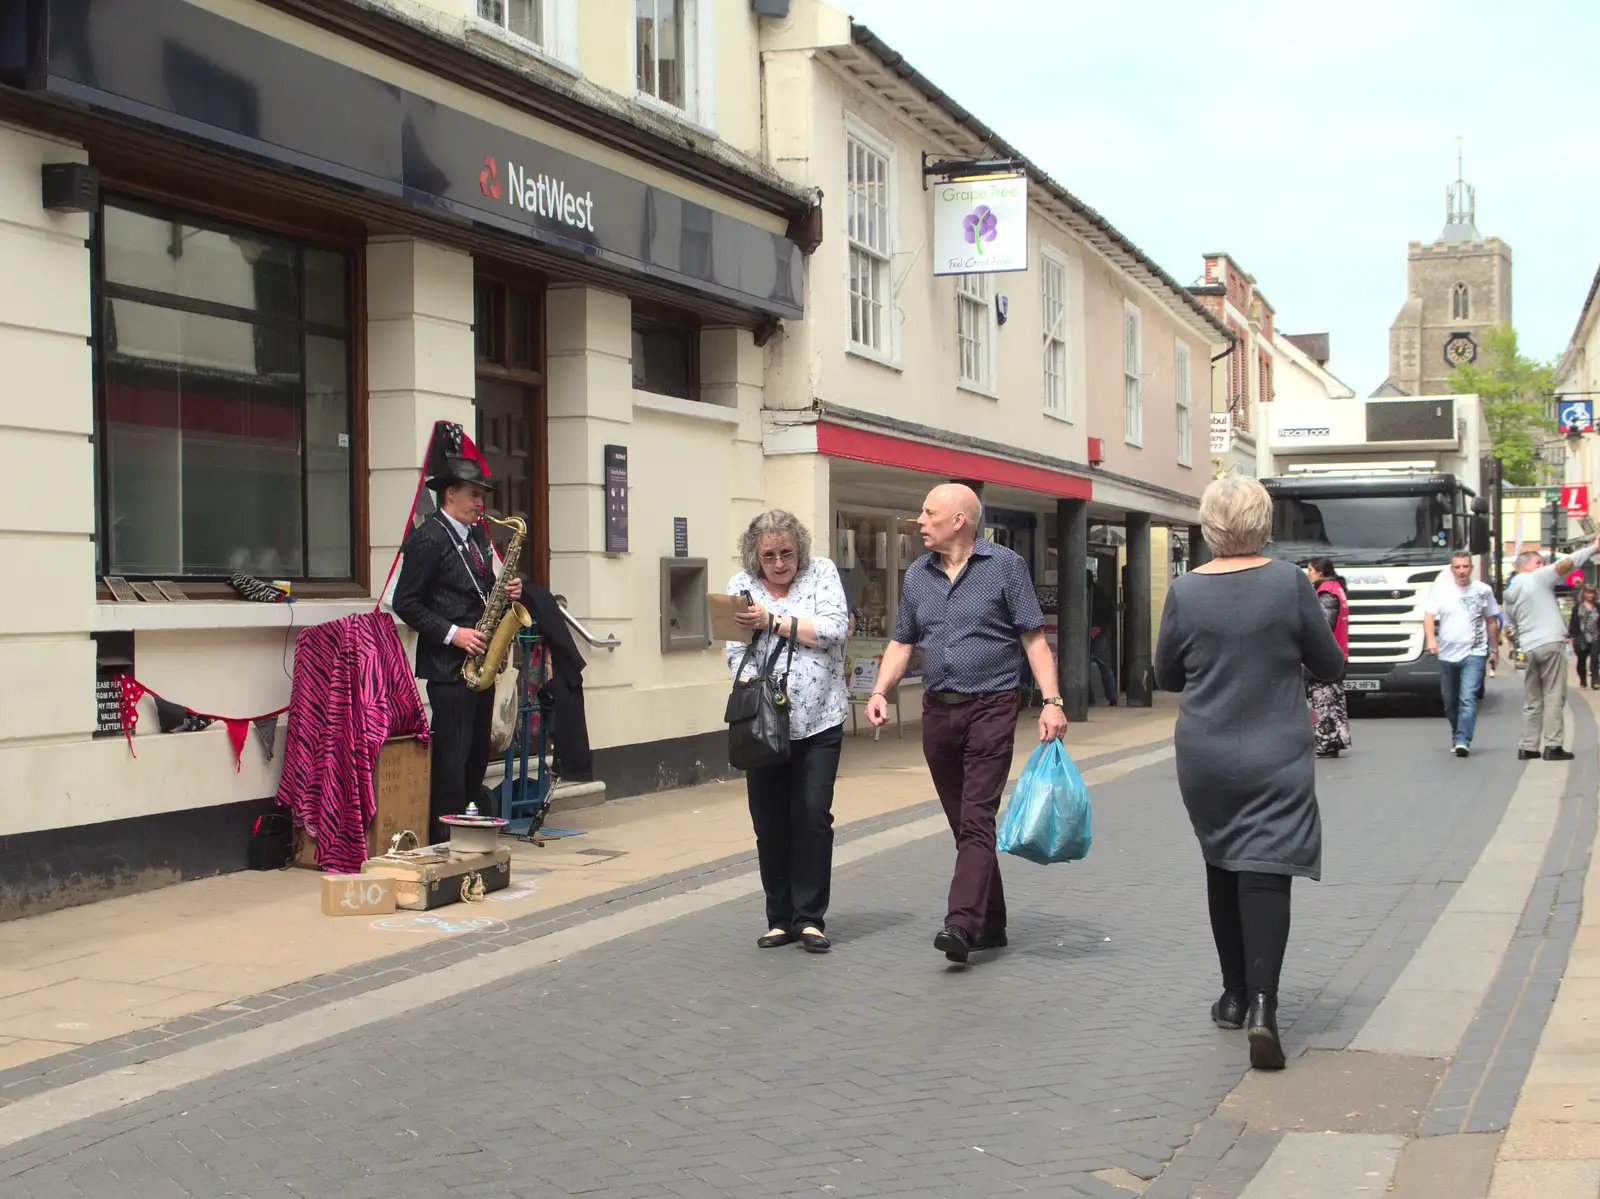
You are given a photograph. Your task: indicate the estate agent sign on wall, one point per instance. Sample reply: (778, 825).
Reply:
(980, 226)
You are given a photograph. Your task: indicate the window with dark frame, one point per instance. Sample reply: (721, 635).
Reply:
(223, 366)
(666, 358)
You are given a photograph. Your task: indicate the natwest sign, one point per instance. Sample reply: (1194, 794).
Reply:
(542, 194)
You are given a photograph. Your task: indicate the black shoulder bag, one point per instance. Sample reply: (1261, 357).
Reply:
(758, 711)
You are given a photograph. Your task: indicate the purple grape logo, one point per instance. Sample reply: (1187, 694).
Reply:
(980, 225)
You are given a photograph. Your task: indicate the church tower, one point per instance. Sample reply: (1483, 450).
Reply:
(1457, 287)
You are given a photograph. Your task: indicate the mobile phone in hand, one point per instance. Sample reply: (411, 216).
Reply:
(748, 602)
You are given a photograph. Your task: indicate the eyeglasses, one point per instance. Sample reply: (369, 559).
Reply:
(772, 557)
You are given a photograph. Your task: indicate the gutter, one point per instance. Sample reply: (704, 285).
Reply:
(896, 62)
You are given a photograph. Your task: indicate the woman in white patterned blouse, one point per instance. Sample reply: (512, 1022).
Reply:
(791, 805)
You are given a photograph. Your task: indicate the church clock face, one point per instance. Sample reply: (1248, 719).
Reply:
(1460, 350)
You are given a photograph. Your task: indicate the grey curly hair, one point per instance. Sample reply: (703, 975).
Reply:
(774, 520)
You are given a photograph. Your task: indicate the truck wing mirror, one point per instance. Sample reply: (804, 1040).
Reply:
(1478, 536)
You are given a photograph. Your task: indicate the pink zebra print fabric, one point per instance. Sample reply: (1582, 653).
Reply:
(352, 691)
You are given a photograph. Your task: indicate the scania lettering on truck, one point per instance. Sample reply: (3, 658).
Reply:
(1388, 490)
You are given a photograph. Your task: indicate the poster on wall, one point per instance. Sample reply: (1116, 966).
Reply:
(862, 657)
(980, 226)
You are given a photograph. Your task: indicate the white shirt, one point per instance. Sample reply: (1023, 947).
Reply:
(1461, 618)
(462, 533)
(817, 698)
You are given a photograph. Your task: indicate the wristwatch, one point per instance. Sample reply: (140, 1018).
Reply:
(1055, 702)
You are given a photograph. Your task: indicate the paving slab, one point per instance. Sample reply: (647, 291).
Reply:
(1337, 1092)
(1313, 1166)
(1458, 1166)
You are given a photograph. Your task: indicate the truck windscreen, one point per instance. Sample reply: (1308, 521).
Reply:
(1361, 529)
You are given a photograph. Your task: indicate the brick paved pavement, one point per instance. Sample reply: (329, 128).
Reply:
(684, 1062)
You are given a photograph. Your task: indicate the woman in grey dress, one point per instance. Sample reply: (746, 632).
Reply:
(1235, 636)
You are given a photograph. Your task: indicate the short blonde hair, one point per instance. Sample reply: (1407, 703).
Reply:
(1236, 516)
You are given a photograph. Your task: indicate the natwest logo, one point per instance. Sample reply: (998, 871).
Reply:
(489, 178)
(544, 194)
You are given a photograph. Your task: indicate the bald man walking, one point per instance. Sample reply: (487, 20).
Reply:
(971, 606)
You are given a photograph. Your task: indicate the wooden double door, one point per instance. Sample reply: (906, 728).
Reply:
(511, 414)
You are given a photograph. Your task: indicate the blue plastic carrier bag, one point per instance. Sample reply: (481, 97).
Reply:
(1048, 818)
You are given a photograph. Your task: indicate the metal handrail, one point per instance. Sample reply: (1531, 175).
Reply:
(610, 642)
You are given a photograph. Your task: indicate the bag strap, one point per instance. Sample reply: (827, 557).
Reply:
(772, 661)
(745, 659)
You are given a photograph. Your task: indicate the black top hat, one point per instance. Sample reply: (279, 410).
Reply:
(459, 470)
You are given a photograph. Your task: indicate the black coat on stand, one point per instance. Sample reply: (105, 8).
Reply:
(574, 761)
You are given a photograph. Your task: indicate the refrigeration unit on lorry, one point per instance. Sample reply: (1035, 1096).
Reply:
(1388, 490)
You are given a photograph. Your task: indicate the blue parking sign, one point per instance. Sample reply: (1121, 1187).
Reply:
(1577, 416)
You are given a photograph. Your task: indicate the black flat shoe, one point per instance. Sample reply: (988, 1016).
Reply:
(1527, 755)
(1556, 754)
(1266, 1051)
(954, 943)
(990, 940)
(815, 943)
(774, 940)
(1229, 1011)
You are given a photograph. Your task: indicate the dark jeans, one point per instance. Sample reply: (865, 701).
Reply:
(1100, 656)
(1458, 687)
(1588, 658)
(1250, 923)
(460, 751)
(968, 748)
(791, 807)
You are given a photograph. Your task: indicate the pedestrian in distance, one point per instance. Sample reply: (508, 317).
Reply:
(971, 605)
(1583, 632)
(793, 594)
(1461, 626)
(1236, 635)
(1329, 714)
(1533, 618)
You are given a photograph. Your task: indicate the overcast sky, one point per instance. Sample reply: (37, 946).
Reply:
(1311, 142)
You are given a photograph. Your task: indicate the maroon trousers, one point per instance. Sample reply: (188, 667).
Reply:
(968, 746)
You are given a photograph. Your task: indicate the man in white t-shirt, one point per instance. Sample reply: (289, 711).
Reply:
(1462, 627)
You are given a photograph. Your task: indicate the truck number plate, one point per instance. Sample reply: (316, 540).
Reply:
(1362, 685)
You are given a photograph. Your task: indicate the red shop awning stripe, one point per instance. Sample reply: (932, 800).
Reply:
(842, 441)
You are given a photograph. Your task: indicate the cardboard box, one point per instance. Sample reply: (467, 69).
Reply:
(401, 780)
(357, 895)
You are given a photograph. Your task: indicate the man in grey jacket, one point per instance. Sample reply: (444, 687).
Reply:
(1533, 620)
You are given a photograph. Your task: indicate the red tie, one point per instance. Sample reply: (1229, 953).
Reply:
(477, 558)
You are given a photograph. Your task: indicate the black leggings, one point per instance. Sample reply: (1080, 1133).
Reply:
(1588, 664)
(1250, 922)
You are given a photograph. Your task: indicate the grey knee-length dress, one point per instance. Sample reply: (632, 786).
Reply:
(1234, 645)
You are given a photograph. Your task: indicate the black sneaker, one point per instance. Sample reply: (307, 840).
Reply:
(1555, 753)
(1460, 751)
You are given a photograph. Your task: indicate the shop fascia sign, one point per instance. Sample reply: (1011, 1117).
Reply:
(258, 95)
(980, 215)
(545, 195)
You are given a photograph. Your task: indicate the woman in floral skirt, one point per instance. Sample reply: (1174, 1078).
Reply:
(1329, 715)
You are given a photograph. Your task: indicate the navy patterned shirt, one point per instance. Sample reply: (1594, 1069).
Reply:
(970, 630)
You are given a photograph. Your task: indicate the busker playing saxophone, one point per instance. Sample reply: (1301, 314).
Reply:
(447, 580)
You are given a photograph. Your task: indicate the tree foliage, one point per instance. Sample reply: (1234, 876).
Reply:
(1515, 391)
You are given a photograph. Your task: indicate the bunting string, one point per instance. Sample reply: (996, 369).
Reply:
(178, 718)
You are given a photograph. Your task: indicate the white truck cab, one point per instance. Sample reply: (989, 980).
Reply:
(1348, 482)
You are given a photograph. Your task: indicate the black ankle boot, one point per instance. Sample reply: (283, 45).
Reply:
(1266, 1051)
(1229, 1010)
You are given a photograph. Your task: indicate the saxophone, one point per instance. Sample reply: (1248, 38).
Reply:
(501, 618)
